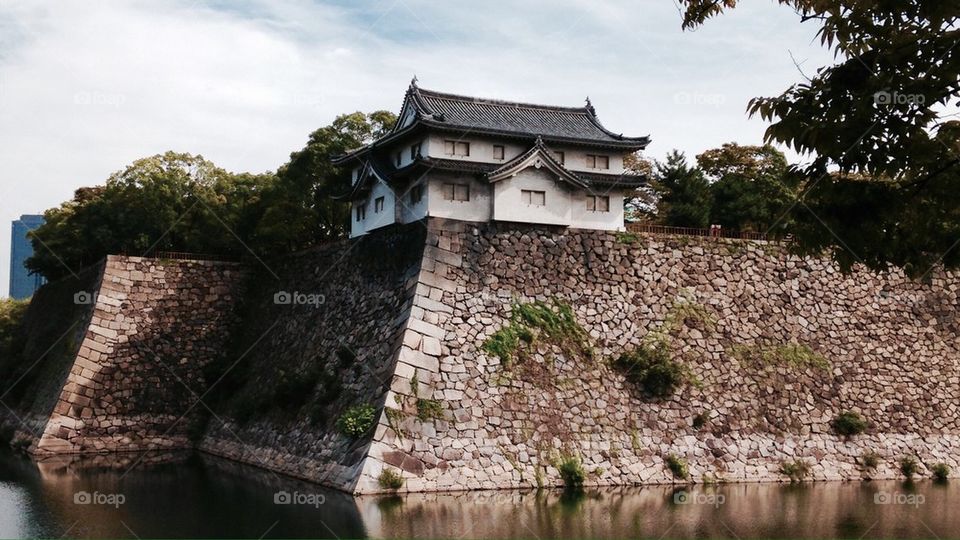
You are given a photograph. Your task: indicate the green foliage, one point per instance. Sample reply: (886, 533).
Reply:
(796, 470)
(940, 472)
(390, 479)
(791, 354)
(701, 419)
(11, 318)
(909, 466)
(552, 323)
(750, 187)
(571, 471)
(182, 202)
(627, 238)
(684, 193)
(869, 460)
(685, 311)
(678, 466)
(357, 420)
(889, 132)
(429, 409)
(651, 368)
(848, 424)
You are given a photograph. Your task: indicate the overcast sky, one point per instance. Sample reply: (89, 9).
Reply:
(88, 87)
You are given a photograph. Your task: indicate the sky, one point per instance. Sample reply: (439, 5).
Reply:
(88, 87)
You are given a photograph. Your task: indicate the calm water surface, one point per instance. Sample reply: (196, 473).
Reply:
(189, 495)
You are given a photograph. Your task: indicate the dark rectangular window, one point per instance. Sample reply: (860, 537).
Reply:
(378, 205)
(398, 159)
(456, 192)
(416, 194)
(598, 203)
(414, 151)
(456, 148)
(361, 211)
(560, 157)
(598, 162)
(498, 151)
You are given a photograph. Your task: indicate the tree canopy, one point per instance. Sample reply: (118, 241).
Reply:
(183, 202)
(881, 187)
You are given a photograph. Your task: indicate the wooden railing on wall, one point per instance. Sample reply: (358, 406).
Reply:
(690, 231)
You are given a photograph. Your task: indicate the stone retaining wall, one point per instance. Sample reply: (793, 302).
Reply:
(137, 377)
(891, 343)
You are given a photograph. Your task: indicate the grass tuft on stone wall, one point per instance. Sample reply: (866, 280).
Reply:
(796, 470)
(678, 466)
(571, 471)
(357, 420)
(554, 323)
(390, 479)
(652, 369)
(793, 355)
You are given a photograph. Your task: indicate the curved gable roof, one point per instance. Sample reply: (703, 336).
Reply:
(465, 113)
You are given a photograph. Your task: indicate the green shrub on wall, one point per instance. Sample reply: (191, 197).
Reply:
(793, 355)
(390, 479)
(909, 466)
(553, 323)
(848, 424)
(651, 368)
(678, 467)
(796, 470)
(357, 420)
(571, 471)
(940, 472)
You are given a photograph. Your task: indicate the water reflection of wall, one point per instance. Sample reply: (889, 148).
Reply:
(824, 510)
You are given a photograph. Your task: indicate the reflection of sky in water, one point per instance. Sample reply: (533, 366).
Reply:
(183, 495)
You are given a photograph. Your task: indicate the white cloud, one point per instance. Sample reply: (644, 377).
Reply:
(86, 88)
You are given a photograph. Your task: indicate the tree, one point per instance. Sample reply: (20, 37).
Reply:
(875, 126)
(299, 208)
(172, 202)
(749, 185)
(684, 193)
(641, 203)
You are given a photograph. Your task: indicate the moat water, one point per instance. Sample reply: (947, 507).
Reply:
(190, 495)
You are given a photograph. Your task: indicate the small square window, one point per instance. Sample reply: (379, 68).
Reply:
(361, 211)
(560, 157)
(498, 151)
(598, 203)
(603, 162)
(416, 194)
(456, 148)
(414, 151)
(533, 198)
(456, 192)
(378, 205)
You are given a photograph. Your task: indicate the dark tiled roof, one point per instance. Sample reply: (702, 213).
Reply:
(575, 125)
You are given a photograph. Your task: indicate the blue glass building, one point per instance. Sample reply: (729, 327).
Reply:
(22, 284)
